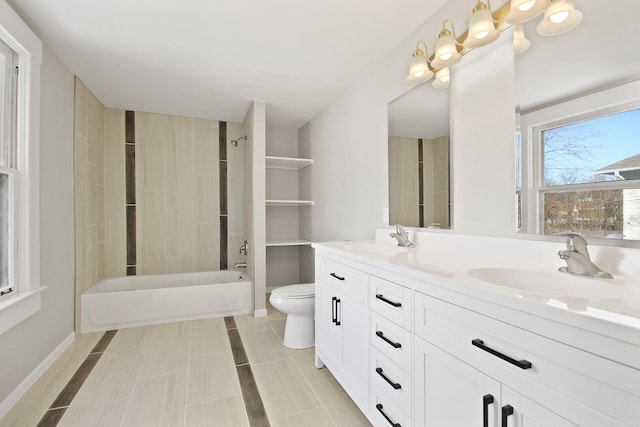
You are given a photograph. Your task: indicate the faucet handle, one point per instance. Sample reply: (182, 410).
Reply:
(576, 243)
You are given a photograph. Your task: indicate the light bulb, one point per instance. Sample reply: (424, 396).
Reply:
(527, 5)
(482, 35)
(559, 17)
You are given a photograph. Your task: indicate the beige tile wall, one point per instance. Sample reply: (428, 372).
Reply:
(403, 181)
(89, 191)
(436, 181)
(115, 221)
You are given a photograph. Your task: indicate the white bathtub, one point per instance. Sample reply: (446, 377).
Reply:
(124, 302)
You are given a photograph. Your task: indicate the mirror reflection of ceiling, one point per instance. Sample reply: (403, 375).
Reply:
(422, 112)
(597, 54)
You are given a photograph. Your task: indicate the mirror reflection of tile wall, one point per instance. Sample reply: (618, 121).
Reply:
(419, 181)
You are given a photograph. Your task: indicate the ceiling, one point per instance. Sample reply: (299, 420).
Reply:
(211, 58)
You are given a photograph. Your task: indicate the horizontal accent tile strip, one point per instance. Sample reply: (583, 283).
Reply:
(73, 386)
(223, 242)
(222, 140)
(252, 400)
(230, 322)
(131, 270)
(239, 355)
(223, 187)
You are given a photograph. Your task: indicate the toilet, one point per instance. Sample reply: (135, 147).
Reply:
(298, 303)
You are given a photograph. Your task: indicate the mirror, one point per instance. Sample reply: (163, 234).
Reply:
(591, 59)
(419, 158)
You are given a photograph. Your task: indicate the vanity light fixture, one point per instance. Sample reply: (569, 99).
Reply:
(446, 47)
(482, 28)
(419, 70)
(520, 41)
(442, 79)
(559, 18)
(525, 10)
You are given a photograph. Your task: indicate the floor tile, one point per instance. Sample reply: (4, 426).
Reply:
(158, 401)
(209, 339)
(338, 404)
(211, 377)
(130, 341)
(101, 415)
(284, 391)
(218, 413)
(277, 325)
(112, 379)
(247, 323)
(314, 418)
(166, 356)
(263, 347)
(305, 361)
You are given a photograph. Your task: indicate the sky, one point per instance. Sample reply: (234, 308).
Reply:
(592, 145)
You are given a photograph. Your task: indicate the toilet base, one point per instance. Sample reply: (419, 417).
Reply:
(299, 332)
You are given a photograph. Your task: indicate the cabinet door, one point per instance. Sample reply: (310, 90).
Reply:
(524, 412)
(328, 331)
(354, 321)
(451, 393)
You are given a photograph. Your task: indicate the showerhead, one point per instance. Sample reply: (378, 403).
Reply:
(234, 142)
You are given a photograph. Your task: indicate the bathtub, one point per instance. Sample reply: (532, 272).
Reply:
(124, 302)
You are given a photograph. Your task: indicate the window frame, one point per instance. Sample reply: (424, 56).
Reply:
(25, 300)
(603, 103)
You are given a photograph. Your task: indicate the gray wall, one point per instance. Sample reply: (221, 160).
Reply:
(25, 346)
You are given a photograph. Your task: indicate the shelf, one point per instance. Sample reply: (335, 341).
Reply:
(286, 163)
(289, 202)
(287, 242)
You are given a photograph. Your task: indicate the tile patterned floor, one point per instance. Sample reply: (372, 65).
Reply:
(189, 374)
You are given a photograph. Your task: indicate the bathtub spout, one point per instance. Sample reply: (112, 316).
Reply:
(240, 264)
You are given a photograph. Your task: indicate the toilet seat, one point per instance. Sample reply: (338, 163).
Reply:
(307, 290)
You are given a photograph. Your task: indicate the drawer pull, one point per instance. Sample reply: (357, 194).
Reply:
(384, 377)
(487, 400)
(336, 276)
(334, 318)
(522, 364)
(388, 341)
(393, 303)
(379, 407)
(506, 411)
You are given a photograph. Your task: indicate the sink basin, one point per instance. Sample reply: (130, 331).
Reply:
(551, 284)
(376, 249)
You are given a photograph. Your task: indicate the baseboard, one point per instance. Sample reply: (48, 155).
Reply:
(13, 397)
(260, 313)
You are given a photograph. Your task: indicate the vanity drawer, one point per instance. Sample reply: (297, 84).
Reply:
(349, 280)
(386, 413)
(390, 379)
(391, 340)
(392, 300)
(510, 353)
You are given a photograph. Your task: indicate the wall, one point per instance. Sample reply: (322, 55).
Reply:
(29, 343)
(89, 191)
(348, 141)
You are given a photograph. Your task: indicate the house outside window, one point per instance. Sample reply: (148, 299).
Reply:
(589, 176)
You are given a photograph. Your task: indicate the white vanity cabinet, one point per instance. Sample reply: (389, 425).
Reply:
(430, 352)
(342, 325)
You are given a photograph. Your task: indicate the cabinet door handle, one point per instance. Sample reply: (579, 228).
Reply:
(333, 309)
(337, 311)
(384, 377)
(487, 400)
(507, 410)
(388, 301)
(522, 364)
(379, 407)
(336, 276)
(388, 341)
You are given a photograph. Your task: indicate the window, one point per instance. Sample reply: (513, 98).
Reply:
(8, 121)
(589, 175)
(20, 59)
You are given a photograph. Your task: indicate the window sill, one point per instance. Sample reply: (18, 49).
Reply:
(15, 309)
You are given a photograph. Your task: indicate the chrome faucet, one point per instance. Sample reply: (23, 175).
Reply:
(243, 248)
(402, 237)
(577, 257)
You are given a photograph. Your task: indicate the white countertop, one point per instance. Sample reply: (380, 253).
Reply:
(614, 313)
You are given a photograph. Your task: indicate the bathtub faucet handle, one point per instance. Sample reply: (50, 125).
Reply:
(244, 247)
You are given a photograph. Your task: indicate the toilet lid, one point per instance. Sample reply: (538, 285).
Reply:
(296, 291)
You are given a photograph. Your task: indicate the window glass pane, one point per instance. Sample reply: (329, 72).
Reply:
(4, 230)
(602, 149)
(595, 213)
(8, 103)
